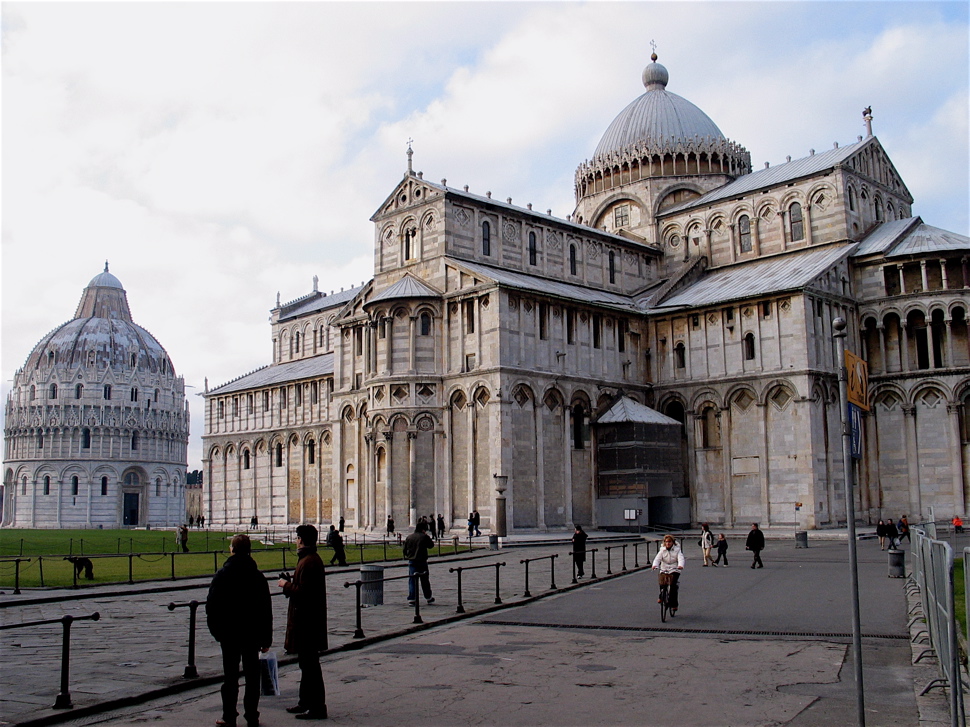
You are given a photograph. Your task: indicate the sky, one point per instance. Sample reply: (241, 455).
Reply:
(220, 153)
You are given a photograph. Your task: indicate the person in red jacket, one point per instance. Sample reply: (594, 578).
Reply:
(240, 617)
(305, 623)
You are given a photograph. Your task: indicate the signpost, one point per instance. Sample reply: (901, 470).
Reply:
(853, 391)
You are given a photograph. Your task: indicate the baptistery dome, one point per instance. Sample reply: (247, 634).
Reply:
(96, 424)
(657, 120)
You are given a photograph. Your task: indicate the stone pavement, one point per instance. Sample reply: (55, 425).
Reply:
(139, 645)
(748, 647)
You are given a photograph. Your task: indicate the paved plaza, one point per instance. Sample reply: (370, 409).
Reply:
(748, 647)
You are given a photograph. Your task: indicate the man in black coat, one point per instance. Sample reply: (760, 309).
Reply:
(579, 551)
(240, 617)
(416, 547)
(306, 617)
(755, 543)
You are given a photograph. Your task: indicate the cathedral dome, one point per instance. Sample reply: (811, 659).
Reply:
(102, 334)
(658, 120)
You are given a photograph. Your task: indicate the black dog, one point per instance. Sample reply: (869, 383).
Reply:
(84, 564)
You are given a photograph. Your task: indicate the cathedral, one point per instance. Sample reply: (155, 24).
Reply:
(96, 427)
(665, 354)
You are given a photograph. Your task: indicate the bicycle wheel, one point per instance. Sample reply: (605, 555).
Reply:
(663, 604)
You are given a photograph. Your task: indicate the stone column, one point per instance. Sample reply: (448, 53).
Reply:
(882, 347)
(733, 229)
(912, 460)
(412, 362)
(872, 459)
(902, 280)
(923, 276)
(567, 464)
(904, 345)
(388, 345)
(807, 222)
(339, 475)
(782, 220)
(707, 246)
(368, 474)
(389, 475)
(956, 460)
(412, 462)
(949, 363)
(943, 277)
(756, 235)
(537, 407)
(473, 453)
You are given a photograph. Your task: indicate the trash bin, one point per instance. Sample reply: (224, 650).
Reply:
(493, 542)
(801, 539)
(372, 585)
(897, 563)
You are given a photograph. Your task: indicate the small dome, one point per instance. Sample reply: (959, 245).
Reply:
(105, 280)
(658, 119)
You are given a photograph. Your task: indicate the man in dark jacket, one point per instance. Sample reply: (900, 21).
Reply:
(240, 617)
(579, 551)
(305, 618)
(755, 543)
(336, 541)
(416, 547)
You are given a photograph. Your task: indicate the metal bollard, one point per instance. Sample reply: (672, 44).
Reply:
(130, 557)
(190, 671)
(16, 577)
(417, 599)
(461, 606)
(526, 593)
(63, 700)
(593, 562)
(498, 599)
(575, 580)
(359, 631)
(623, 553)
(40, 562)
(552, 569)
(609, 561)
(173, 565)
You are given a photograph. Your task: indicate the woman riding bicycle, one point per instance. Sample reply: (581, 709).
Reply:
(670, 562)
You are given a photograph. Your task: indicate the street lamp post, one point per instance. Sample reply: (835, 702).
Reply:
(501, 524)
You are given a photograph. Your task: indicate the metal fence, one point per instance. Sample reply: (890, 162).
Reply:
(933, 571)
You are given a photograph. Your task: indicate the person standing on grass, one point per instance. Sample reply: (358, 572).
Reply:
(240, 617)
(184, 538)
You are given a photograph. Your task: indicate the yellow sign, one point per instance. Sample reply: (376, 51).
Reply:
(858, 373)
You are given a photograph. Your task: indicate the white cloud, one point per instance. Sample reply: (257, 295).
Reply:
(217, 153)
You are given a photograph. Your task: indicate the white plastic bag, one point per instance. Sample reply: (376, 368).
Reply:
(269, 674)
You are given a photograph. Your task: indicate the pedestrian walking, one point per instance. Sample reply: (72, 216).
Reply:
(390, 525)
(336, 541)
(722, 547)
(477, 522)
(432, 526)
(706, 543)
(892, 534)
(184, 538)
(903, 528)
(755, 543)
(341, 523)
(201, 521)
(957, 524)
(579, 551)
(471, 524)
(441, 525)
(239, 614)
(253, 522)
(416, 547)
(305, 629)
(881, 534)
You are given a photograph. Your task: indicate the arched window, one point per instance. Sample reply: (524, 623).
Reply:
(425, 324)
(23, 486)
(533, 252)
(311, 452)
(279, 454)
(579, 427)
(749, 347)
(104, 486)
(612, 266)
(851, 199)
(133, 360)
(33, 392)
(486, 239)
(134, 441)
(409, 235)
(134, 394)
(572, 259)
(107, 392)
(74, 485)
(40, 440)
(52, 393)
(679, 356)
(158, 487)
(296, 342)
(245, 459)
(78, 391)
(744, 233)
(711, 428)
(86, 438)
(221, 409)
(795, 226)
(878, 210)
(47, 485)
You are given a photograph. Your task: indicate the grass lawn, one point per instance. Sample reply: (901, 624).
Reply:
(148, 553)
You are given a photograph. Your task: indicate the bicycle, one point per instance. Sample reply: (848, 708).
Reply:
(665, 597)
